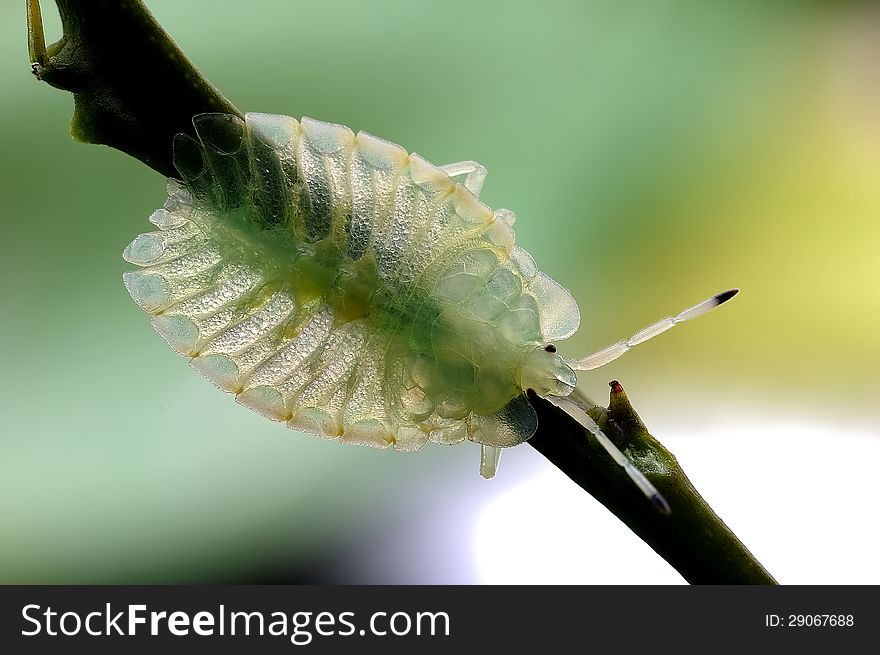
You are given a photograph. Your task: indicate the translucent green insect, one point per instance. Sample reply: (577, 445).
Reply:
(336, 283)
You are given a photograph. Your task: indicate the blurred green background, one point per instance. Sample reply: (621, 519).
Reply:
(655, 152)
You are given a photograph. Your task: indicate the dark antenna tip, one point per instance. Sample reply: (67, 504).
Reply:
(661, 504)
(724, 296)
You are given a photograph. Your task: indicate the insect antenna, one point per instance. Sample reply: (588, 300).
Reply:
(618, 348)
(575, 411)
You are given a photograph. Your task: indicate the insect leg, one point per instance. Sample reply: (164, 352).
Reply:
(576, 412)
(615, 350)
(489, 456)
(475, 174)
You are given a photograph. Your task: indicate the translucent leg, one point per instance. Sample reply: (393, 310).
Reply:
(489, 456)
(475, 174)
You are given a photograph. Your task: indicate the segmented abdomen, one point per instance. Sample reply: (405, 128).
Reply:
(337, 283)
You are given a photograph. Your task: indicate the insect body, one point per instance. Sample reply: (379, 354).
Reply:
(339, 284)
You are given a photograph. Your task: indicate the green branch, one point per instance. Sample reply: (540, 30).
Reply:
(692, 538)
(134, 90)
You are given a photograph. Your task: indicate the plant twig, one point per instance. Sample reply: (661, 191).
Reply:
(692, 538)
(134, 90)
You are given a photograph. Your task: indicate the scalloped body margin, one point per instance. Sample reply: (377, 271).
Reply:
(336, 283)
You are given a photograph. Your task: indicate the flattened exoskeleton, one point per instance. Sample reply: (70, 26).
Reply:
(337, 283)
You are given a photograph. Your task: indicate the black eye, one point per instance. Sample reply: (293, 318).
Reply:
(550, 348)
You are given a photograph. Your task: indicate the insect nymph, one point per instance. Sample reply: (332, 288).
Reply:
(352, 290)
